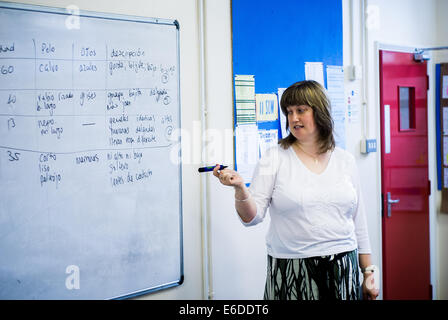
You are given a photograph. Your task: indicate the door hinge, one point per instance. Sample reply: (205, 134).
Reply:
(427, 82)
(429, 187)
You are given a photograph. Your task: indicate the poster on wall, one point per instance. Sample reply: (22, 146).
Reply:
(335, 81)
(445, 87)
(245, 99)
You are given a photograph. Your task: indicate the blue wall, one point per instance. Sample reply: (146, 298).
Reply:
(273, 39)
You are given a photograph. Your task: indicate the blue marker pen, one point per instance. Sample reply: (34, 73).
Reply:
(210, 168)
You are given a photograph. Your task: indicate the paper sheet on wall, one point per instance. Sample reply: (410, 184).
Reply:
(445, 120)
(445, 177)
(246, 145)
(267, 106)
(445, 151)
(336, 92)
(267, 140)
(285, 132)
(245, 99)
(315, 71)
(445, 87)
(353, 105)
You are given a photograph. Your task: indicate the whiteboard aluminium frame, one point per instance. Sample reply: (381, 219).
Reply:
(138, 19)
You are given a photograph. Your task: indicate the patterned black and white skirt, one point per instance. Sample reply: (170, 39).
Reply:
(334, 277)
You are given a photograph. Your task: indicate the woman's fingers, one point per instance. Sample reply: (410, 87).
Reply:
(227, 177)
(215, 171)
(224, 176)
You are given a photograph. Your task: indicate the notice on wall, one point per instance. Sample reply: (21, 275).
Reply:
(445, 151)
(246, 145)
(285, 132)
(335, 80)
(445, 177)
(445, 120)
(267, 107)
(353, 106)
(267, 140)
(245, 99)
(315, 71)
(445, 87)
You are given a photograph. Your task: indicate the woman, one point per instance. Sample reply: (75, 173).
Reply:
(318, 231)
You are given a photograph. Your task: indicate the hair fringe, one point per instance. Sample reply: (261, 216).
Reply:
(312, 94)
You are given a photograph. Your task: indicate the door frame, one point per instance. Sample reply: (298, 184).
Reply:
(432, 161)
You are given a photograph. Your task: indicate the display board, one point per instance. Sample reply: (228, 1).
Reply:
(442, 132)
(273, 41)
(273, 44)
(90, 171)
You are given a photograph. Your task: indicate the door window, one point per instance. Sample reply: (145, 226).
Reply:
(407, 108)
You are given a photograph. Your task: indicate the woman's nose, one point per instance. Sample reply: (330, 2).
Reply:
(295, 116)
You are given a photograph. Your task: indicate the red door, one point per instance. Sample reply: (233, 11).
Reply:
(404, 174)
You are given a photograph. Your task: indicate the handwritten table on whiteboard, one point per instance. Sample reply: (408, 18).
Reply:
(89, 165)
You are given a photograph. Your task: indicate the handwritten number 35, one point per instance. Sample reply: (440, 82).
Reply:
(13, 156)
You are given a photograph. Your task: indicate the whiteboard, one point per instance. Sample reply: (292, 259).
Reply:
(90, 171)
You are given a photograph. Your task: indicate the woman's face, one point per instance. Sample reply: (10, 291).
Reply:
(301, 123)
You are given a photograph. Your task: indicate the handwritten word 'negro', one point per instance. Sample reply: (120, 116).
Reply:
(6, 48)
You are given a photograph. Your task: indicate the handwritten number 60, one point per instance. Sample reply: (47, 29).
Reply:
(6, 70)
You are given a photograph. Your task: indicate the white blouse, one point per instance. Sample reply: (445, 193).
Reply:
(311, 214)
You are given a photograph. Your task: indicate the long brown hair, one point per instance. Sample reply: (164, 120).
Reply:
(310, 93)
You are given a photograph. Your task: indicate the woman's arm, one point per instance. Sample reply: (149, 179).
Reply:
(244, 204)
(362, 235)
(251, 203)
(368, 287)
(364, 260)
